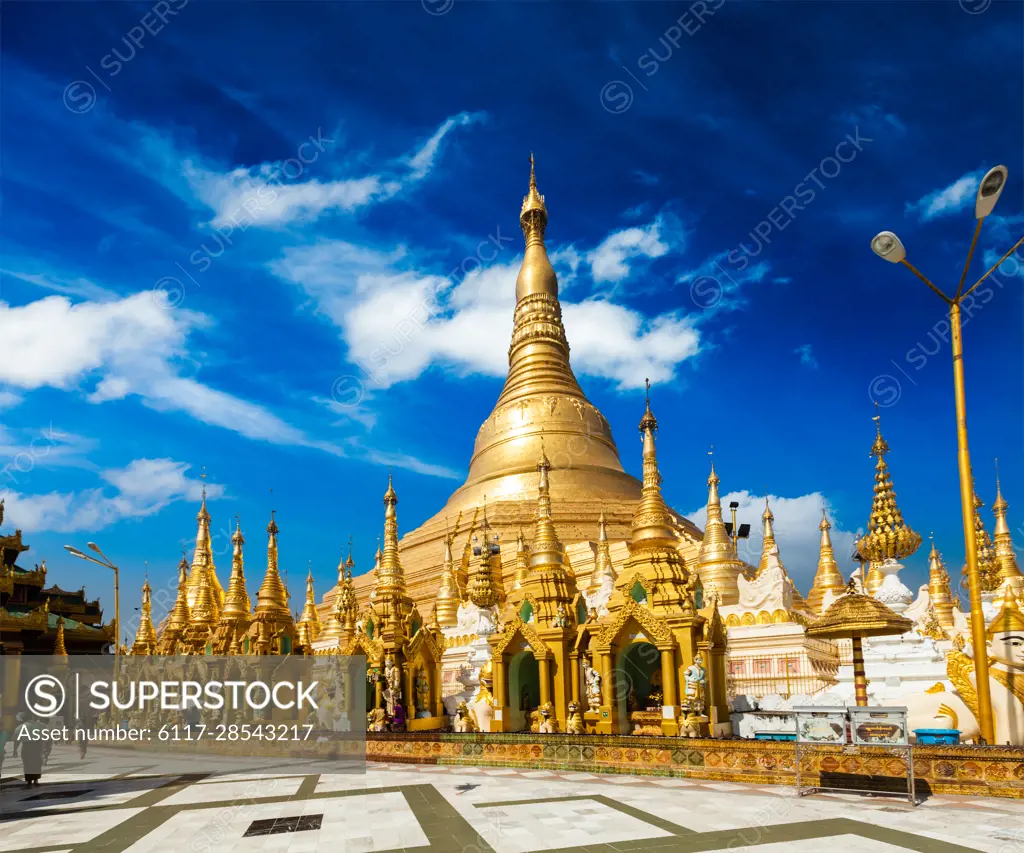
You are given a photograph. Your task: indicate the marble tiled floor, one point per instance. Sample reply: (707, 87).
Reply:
(479, 810)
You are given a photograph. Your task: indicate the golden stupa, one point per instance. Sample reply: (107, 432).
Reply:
(541, 402)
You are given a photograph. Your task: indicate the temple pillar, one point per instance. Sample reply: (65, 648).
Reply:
(502, 710)
(544, 667)
(574, 669)
(860, 681)
(668, 676)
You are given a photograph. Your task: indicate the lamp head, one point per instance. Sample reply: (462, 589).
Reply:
(989, 190)
(734, 504)
(888, 247)
(75, 552)
(94, 547)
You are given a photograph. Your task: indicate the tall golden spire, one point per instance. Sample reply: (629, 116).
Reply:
(145, 636)
(939, 594)
(769, 547)
(989, 570)
(652, 524)
(272, 597)
(236, 601)
(1005, 555)
(888, 537)
(179, 616)
(717, 562)
(522, 561)
(309, 622)
(448, 597)
(547, 553)
(828, 578)
(604, 571)
(202, 561)
(390, 579)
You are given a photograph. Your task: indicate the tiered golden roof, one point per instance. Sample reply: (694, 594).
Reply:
(1006, 557)
(858, 615)
(939, 594)
(888, 537)
(828, 578)
(483, 588)
(145, 636)
(717, 563)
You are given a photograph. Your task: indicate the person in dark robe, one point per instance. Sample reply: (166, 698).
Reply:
(31, 752)
(398, 718)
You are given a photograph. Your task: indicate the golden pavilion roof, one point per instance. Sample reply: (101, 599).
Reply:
(856, 614)
(888, 536)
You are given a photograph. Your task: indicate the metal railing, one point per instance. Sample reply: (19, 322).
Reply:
(793, 674)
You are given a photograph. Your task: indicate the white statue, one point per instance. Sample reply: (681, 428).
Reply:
(561, 619)
(959, 709)
(696, 679)
(464, 721)
(593, 682)
(393, 691)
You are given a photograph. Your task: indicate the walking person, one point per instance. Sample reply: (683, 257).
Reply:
(31, 753)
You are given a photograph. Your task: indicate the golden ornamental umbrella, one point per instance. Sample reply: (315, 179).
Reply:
(855, 615)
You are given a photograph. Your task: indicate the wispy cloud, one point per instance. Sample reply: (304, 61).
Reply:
(806, 353)
(947, 200)
(612, 260)
(274, 194)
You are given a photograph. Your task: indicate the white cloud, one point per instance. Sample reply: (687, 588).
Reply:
(129, 346)
(277, 193)
(142, 488)
(611, 260)
(796, 531)
(9, 399)
(397, 322)
(943, 202)
(1012, 266)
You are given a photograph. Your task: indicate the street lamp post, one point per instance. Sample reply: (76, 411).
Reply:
(106, 562)
(889, 247)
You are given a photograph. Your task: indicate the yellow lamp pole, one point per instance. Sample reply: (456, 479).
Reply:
(106, 563)
(889, 247)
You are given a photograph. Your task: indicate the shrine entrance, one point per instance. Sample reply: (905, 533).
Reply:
(637, 679)
(524, 689)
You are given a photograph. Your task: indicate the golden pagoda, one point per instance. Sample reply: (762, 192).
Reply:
(273, 629)
(145, 636)
(236, 617)
(541, 396)
(309, 626)
(177, 620)
(390, 598)
(769, 547)
(448, 599)
(717, 563)
(482, 589)
(59, 649)
(940, 597)
(828, 578)
(1005, 556)
(888, 537)
(202, 562)
(333, 624)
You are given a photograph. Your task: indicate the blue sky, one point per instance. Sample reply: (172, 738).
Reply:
(280, 240)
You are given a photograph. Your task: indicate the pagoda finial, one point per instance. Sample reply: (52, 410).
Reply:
(272, 597)
(236, 600)
(604, 570)
(989, 570)
(309, 623)
(940, 597)
(533, 217)
(59, 650)
(888, 536)
(717, 563)
(390, 579)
